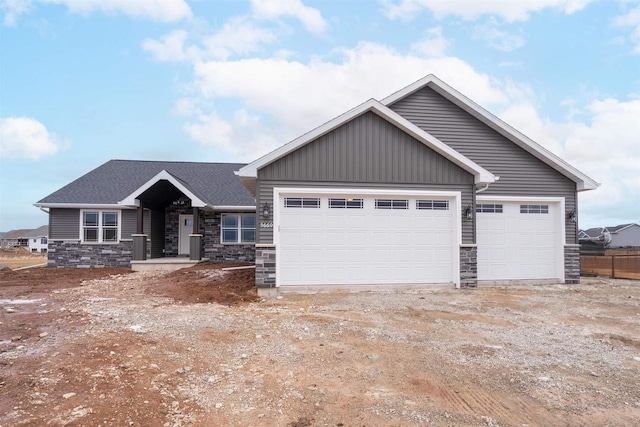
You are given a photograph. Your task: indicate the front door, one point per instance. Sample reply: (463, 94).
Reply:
(186, 228)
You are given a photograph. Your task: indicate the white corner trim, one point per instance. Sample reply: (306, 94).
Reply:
(130, 200)
(583, 182)
(482, 176)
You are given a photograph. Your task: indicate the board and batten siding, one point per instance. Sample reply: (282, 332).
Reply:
(367, 152)
(64, 224)
(129, 218)
(521, 174)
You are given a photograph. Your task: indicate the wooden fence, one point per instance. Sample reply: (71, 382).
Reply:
(616, 266)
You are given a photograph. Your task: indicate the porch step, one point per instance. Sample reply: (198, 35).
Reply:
(164, 264)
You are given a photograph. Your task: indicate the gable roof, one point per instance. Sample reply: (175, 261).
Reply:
(212, 184)
(27, 233)
(593, 232)
(621, 227)
(481, 176)
(582, 181)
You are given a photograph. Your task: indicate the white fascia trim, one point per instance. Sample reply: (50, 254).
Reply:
(482, 176)
(583, 182)
(455, 196)
(130, 200)
(82, 206)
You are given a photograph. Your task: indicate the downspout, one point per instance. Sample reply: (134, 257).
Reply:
(486, 186)
(43, 210)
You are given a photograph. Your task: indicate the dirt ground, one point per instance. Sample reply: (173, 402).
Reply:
(198, 347)
(20, 257)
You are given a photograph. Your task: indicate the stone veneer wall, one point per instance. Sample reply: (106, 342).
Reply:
(265, 266)
(572, 264)
(468, 266)
(210, 230)
(74, 254)
(217, 252)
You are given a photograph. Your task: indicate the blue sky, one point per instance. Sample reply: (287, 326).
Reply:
(85, 81)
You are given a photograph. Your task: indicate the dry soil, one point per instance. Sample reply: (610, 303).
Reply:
(197, 347)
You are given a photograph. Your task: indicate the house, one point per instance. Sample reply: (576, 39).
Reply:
(619, 236)
(35, 240)
(173, 209)
(422, 187)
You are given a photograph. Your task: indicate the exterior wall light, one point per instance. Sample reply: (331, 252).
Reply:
(571, 216)
(266, 210)
(468, 212)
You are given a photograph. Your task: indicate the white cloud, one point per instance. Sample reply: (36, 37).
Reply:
(239, 35)
(13, 9)
(509, 10)
(631, 19)
(155, 10)
(605, 145)
(26, 138)
(289, 98)
(172, 47)
(310, 17)
(433, 43)
(496, 38)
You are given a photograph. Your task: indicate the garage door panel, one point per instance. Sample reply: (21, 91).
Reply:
(514, 245)
(365, 246)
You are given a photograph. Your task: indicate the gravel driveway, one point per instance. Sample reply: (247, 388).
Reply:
(118, 351)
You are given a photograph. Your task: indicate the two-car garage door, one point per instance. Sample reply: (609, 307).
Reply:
(360, 239)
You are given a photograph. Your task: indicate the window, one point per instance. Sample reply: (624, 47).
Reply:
(432, 205)
(534, 209)
(489, 208)
(392, 204)
(301, 202)
(43, 240)
(346, 203)
(238, 228)
(100, 226)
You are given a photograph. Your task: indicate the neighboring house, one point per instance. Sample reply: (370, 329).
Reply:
(94, 219)
(422, 187)
(624, 236)
(35, 240)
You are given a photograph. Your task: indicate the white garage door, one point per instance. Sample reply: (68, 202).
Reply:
(338, 239)
(519, 240)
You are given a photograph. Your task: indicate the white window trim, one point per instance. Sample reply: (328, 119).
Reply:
(100, 212)
(455, 198)
(239, 228)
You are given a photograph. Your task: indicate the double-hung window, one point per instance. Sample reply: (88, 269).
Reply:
(100, 226)
(238, 228)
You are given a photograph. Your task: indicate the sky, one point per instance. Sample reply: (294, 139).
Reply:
(86, 81)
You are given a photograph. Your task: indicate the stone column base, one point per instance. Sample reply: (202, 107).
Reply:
(468, 266)
(265, 266)
(572, 264)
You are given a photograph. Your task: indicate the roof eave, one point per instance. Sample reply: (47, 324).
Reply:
(583, 182)
(482, 176)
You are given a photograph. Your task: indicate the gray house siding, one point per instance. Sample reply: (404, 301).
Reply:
(157, 233)
(64, 224)
(130, 223)
(367, 152)
(520, 172)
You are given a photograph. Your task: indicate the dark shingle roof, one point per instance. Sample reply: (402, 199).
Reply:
(619, 227)
(117, 179)
(593, 232)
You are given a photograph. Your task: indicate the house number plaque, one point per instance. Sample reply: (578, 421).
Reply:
(266, 225)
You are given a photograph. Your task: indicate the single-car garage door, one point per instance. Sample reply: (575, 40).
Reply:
(519, 240)
(352, 239)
